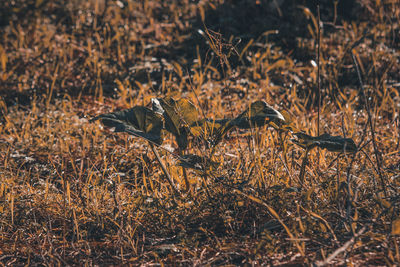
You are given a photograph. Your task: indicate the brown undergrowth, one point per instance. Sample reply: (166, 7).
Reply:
(73, 192)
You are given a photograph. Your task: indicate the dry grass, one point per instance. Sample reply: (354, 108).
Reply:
(74, 193)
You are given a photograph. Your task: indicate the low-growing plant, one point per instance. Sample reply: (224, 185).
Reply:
(180, 117)
(141, 122)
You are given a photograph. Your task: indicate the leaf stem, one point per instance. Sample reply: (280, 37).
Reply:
(164, 169)
(303, 166)
(187, 183)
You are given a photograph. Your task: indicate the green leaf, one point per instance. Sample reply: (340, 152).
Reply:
(198, 163)
(178, 116)
(139, 121)
(327, 141)
(258, 114)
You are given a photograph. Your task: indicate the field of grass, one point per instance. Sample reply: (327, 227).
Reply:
(73, 192)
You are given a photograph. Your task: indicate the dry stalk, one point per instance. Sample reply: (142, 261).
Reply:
(371, 126)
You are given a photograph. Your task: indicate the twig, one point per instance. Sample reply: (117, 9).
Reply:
(341, 249)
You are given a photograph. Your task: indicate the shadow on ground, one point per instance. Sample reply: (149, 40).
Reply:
(238, 22)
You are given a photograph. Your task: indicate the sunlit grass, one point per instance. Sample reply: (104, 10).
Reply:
(73, 192)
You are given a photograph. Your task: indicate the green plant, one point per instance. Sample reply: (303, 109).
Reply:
(141, 122)
(180, 117)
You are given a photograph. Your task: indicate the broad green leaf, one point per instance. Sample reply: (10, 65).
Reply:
(258, 114)
(178, 116)
(139, 121)
(198, 163)
(327, 141)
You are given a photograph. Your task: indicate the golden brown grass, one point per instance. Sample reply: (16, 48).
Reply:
(74, 193)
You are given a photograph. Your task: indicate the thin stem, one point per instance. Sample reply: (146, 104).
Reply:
(349, 191)
(303, 166)
(318, 75)
(376, 151)
(187, 184)
(205, 185)
(164, 169)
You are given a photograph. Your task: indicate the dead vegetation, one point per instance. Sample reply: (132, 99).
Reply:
(247, 192)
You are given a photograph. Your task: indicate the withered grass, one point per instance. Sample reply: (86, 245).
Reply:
(73, 193)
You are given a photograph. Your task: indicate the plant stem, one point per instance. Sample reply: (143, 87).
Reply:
(164, 169)
(303, 167)
(187, 184)
(205, 185)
